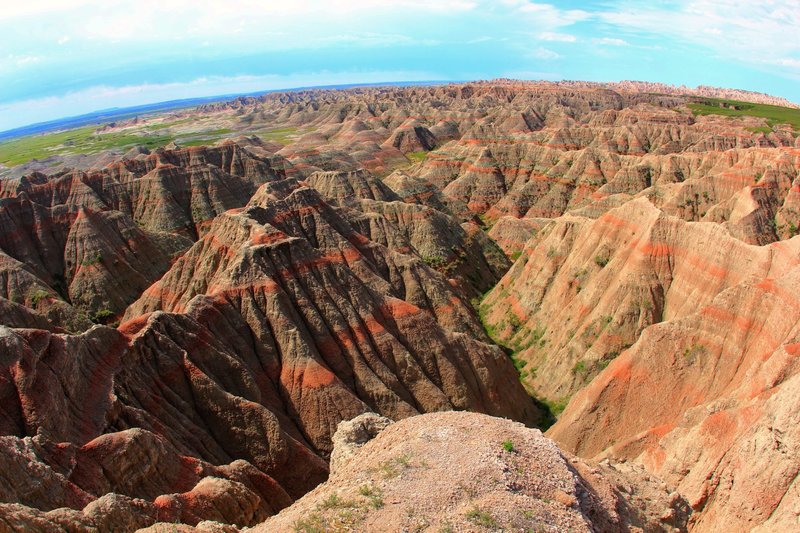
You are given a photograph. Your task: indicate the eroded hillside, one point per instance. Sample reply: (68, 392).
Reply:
(185, 327)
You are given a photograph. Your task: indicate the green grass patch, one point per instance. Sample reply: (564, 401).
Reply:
(732, 108)
(72, 142)
(760, 129)
(373, 494)
(160, 126)
(392, 468)
(334, 501)
(416, 157)
(694, 351)
(556, 407)
(282, 136)
(95, 259)
(203, 138)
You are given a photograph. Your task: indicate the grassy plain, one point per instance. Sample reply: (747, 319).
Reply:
(731, 108)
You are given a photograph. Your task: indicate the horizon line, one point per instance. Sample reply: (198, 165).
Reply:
(45, 125)
(95, 116)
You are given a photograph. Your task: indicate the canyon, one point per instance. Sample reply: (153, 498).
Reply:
(295, 326)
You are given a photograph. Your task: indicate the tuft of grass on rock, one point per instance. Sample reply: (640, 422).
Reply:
(391, 468)
(481, 518)
(373, 494)
(334, 501)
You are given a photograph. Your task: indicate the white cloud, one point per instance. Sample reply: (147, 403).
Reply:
(14, 62)
(547, 15)
(544, 53)
(374, 39)
(35, 8)
(121, 21)
(786, 62)
(611, 41)
(556, 37)
(481, 39)
(195, 8)
(741, 30)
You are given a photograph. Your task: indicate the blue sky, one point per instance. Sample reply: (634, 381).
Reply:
(67, 57)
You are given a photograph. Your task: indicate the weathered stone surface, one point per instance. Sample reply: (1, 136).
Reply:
(351, 435)
(466, 472)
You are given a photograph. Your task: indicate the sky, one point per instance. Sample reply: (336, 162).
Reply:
(62, 58)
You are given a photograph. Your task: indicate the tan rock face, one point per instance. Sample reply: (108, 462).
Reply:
(726, 437)
(584, 289)
(469, 472)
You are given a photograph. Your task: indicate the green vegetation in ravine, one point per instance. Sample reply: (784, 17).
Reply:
(416, 157)
(534, 336)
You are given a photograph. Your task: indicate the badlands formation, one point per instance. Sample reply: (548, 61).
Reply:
(184, 329)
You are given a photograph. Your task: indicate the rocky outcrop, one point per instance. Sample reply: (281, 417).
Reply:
(351, 435)
(348, 188)
(92, 241)
(328, 308)
(411, 136)
(464, 471)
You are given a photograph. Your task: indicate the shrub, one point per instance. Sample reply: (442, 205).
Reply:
(508, 446)
(314, 523)
(693, 352)
(392, 467)
(416, 157)
(38, 296)
(95, 259)
(101, 316)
